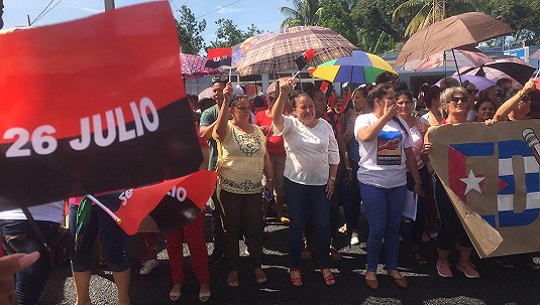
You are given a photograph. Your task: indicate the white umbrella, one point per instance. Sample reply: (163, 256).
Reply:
(208, 91)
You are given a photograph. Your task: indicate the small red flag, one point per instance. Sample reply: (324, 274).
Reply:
(219, 57)
(324, 87)
(306, 57)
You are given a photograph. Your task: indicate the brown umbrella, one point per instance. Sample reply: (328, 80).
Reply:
(450, 33)
(466, 56)
(277, 53)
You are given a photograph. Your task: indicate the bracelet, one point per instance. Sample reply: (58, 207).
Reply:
(349, 168)
(520, 93)
(333, 179)
(270, 180)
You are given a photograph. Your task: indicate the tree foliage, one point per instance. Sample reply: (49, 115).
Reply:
(336, 15)
(303, 12)
(522, 16)
(190, 31)
(422, 13)
(228, 34)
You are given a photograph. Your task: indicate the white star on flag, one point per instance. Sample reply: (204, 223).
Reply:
(473, 182)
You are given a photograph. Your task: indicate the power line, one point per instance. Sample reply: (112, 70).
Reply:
(45, 11)
(218, 9)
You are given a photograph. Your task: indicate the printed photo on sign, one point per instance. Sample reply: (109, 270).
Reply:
(389, 148)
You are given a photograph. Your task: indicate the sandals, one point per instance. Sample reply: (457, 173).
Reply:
(296, 281)
(329, 280)
(176, 292)
(260, 276)
(419, 258)
(204, 295)
(232, 279)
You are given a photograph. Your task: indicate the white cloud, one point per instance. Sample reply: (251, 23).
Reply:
(229, 10)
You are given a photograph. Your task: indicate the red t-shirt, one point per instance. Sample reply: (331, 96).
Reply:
(274, 144)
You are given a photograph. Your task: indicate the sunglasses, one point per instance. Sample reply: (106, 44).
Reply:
(526, 99)
(472, 90)
(457, 99)
(271, 98)
(220, 79)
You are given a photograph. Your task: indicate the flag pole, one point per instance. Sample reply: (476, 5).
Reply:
(104, 208)
(536, 76)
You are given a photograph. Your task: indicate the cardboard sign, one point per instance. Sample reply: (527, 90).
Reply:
(93, 105)
(491, 174)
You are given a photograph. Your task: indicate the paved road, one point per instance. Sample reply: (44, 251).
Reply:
(496, 286)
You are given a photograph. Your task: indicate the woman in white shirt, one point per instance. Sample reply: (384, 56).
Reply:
(310, 175)
(386, 150)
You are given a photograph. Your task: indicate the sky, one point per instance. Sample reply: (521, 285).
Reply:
(264, 14)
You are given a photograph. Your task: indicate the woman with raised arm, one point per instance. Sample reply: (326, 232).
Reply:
(310, 176)
(386, 150)
(242, 158)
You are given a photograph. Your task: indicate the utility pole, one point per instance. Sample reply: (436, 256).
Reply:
(109, 5)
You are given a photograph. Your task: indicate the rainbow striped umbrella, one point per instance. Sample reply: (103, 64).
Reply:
(359, 68)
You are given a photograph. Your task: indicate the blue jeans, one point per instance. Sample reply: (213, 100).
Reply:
(300, 198)
(19, 237)
(113, 239)
(384, 208)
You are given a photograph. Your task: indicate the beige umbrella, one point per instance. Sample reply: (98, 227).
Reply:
(277, 52)
(450, 33)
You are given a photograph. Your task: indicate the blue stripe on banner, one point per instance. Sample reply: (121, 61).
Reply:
(490, 219)
(532, 182)
(510, 148)
(475, 149)
(511, 219)
(510, 189)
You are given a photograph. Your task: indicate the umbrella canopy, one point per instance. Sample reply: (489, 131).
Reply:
(480, 82)
(240, 50)
(277, 53)
(193, 66)
(512, 68)
(450, 33)
(359, 68)
(460, 57)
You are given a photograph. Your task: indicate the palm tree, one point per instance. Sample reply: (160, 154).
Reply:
(427, 12)
(306, 12)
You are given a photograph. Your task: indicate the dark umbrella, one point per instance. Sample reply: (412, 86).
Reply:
(450, 33)
(513, 68)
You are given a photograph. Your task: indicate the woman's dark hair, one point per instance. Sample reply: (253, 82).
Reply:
(237, 98)
(206, 103)
(427, 93)
(385, 77)
(296, 97)
(482, 100)
(363, 89)
(378, 93)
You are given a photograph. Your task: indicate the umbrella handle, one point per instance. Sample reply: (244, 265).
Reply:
(296, 74)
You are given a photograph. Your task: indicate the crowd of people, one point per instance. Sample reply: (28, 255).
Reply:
(308, 153)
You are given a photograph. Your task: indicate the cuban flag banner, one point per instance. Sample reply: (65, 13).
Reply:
(93, 105)
(492, 176)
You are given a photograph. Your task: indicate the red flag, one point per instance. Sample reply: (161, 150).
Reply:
(219, 57)
(165, 206)
(324, 87)
(306, 57)
(86, 114)
(347, 99)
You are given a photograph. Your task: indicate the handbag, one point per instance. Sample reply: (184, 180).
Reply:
(58, 247)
